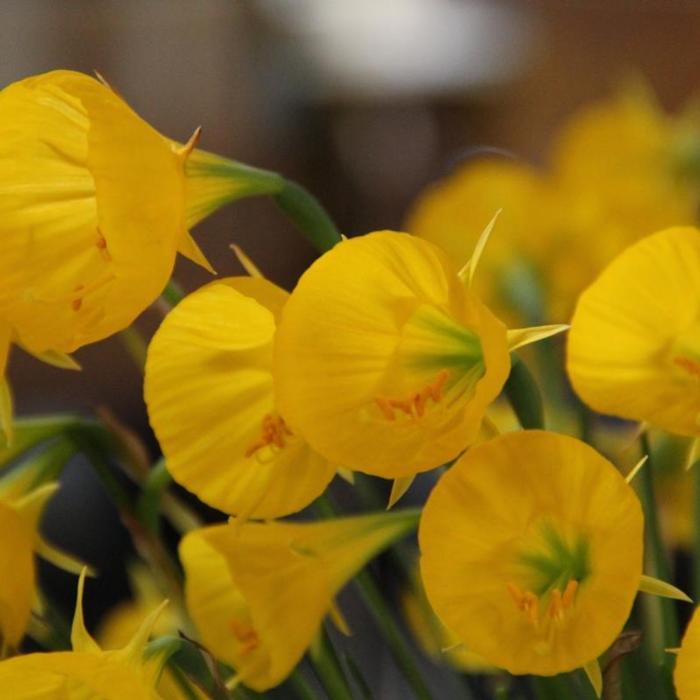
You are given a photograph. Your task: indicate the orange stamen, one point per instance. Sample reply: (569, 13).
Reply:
(414, 406)
(102, 246)
(688, 364)
(569, 593)
(245, 635)
(274, 432)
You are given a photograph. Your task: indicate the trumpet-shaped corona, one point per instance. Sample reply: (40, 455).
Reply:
(258, 592)
(531, 552)
(87, 671)
(634, 345)
(384, 360)
(211, 401)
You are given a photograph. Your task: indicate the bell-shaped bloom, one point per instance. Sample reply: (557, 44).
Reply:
(21, 507)
(385, 361)
(211, 401)
(531, 552)
(94, 206)
(686, 676)
(87, 671)
(630, 164)
(634, 345)
(258, 592)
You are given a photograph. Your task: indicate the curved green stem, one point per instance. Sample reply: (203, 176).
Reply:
(524, 395)
(308, 215)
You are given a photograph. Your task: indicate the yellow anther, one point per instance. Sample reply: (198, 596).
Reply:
(414, 406)
(274, 432)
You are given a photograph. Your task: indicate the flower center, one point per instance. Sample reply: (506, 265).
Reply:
(274, 434)
(552, 570)
(414, 405)
(436, 358)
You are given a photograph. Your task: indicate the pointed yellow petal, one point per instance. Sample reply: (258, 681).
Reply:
(191, 250)
(649, 584)
(63, 560)
(519, 337)
(79, 636)
(595, 676)
(187, 148)
(246, 263)
(17, 580)
(62, 360)
(31, 506)
(636, 468)
(346, 474)
(693, 453)
(133, 651)
(336, 615)
(6, 411)
(467, 272)
(398, 488)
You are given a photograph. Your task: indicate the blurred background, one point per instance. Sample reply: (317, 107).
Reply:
(362, 102)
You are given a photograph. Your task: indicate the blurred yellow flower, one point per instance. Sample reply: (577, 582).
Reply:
(531, 552)
(123, 621)
(258, 592)
(452, 213)
(384, 360)
(634, 345)
(620, 169)
(87, 671)
(686, 676)
(211, 401)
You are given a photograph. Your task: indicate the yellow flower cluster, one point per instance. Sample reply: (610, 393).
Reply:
(383, 360)
(619, 170)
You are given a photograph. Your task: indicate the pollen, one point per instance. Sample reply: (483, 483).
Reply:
(414, 405)
(274, 433)
(101, 244)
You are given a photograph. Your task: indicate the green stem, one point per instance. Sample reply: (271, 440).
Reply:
(392, 633)
(664, 635)
(302, 687)
(135, 346)
(524, 395)
(151, 494)
(328, 669)
(172, 294)
(308, 215)
(389, 628)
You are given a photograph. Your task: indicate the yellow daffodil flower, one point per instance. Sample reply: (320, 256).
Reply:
(634, 346)
(258, 592)
(94, 204)
(211, 401)
(686, 676)
(385, 361)
(531, 552)
(21, 508)
(87, 671)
